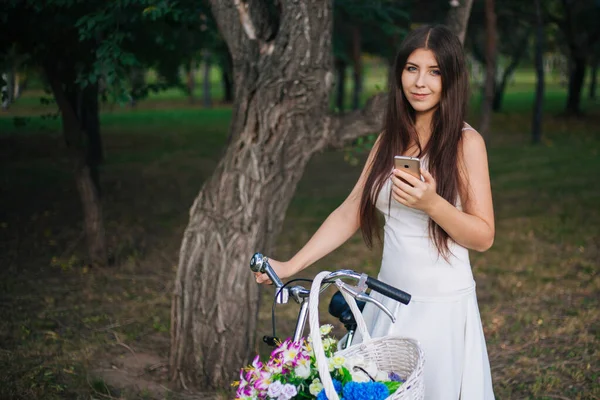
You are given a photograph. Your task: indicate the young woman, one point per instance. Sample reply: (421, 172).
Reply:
(430, 223)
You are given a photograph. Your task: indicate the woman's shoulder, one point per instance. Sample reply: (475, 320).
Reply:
(467, 127)
(472, 141)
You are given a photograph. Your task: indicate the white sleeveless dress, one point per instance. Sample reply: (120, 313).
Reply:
(443, 314)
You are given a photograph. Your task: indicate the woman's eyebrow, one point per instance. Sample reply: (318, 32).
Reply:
(416, 65)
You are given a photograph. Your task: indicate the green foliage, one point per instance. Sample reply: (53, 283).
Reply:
(102, 41)
(353, 153)
(382, 23)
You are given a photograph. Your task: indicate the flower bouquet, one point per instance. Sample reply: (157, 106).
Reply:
(291, 373)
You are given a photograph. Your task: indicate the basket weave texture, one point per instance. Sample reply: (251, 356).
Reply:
(400, 355)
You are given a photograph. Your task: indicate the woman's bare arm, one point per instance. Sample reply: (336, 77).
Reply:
(339, 226)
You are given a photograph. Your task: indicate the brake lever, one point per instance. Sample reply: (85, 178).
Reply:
(360, 295)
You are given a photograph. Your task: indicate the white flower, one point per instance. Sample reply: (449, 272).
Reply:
(302, 371)
(275, 389)
(382, 376)
(326, 329)
(290, 355)
(287, 392)
(338, 361)
(328, 343)
(315, 387)
(361, 369)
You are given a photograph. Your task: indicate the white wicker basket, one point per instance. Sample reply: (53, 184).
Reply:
(390, 353)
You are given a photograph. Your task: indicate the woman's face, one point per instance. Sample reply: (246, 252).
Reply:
(422, 81)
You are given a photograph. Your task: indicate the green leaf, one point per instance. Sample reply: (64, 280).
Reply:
(392, 385)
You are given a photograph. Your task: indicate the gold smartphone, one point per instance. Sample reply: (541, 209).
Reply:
(412, 165)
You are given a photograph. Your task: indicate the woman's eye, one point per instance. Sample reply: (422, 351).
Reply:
(410, 68)
(436, 72)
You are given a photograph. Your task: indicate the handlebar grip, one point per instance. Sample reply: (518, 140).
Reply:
(388, 290)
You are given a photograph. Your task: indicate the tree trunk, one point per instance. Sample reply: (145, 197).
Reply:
(65, 94)
(280, 119)
(340, 94)
(516, 58)
(10, 88)
(357, 69)
(90, 124)
(138, 85)
(490, 67)
(458, 18)
(536, 126)
(226, 74)
(191, 80)
(206, 95)
(594, 80)
(576, 79)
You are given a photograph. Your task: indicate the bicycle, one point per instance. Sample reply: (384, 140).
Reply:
(338, 307)
(397, 356)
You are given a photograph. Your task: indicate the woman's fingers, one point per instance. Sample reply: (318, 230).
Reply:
(402, 185)
(399, 192)
(413, 181)
(427, 176)
(400, 199)
(262, 278)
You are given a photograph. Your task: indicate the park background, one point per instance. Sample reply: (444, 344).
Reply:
(73, 329)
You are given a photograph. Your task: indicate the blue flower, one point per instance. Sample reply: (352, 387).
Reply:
(338, 388)
(365, 391)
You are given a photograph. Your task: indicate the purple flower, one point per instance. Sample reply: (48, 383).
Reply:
(263, 382)
(256, 363)
(394, 377)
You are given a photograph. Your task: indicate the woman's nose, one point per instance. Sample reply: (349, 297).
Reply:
(420, 80)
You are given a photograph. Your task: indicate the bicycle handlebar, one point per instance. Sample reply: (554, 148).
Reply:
(388, 290)
(260, 263)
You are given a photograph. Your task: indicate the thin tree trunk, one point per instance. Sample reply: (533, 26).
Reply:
(138, 85)
(594, 80)
(536, 126)
(10, 88)
(206, 94)
(191, 80)
(501, 88)
(490, 64)
(90, 200)
(357, 68)
(90, 124)
(227, 77)
(576, 79)
(458, 18)
(340, 94)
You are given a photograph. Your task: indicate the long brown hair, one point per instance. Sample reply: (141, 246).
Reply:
(399, 131)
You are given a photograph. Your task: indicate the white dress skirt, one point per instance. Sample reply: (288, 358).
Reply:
(443, 314)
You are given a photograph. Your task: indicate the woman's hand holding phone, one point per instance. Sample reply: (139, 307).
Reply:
(418, 194)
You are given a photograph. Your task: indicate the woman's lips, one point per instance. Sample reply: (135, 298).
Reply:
(420, 96)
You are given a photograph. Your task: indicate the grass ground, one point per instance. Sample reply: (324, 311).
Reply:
(60, 322)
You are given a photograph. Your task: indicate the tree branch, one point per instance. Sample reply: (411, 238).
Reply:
(349, 126)
(245, 19)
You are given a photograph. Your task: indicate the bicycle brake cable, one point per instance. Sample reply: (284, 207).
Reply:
(275, 300)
